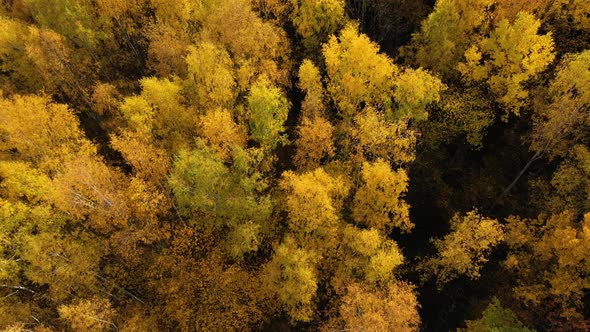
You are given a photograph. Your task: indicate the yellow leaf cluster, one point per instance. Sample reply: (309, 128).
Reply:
(466, 248)
(211, 70)
(291, 276)
(319, 193)
(314, 143)
(359, 75)
(41, 132)
(448, 32)
(88, 315)
(550, 257)
(514, 53)
(394, 308)
(221, 131)
(379, 202)
(310, 82)
(316, 20)
(375, 137)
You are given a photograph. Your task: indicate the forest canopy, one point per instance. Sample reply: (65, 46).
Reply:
(294, 165)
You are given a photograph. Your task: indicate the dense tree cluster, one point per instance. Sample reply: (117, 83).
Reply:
(232, 165)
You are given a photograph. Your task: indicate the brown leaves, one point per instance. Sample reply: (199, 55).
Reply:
(394, 308)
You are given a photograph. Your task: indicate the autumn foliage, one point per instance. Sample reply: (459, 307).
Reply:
(237, 165)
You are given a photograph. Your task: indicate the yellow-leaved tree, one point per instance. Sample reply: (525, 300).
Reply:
(513, 54)
(315, 132)
(391, 308)
(257, 48)
(315, 142)
(322, 196)
(94, 314)
(379, 203)
(211, 75)
(549, 256)
(560, 134)
(291, 277)
(24, 117)
(447, 33)
(268, 110)
(317, 20)
(359, 75)
(465, 250)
